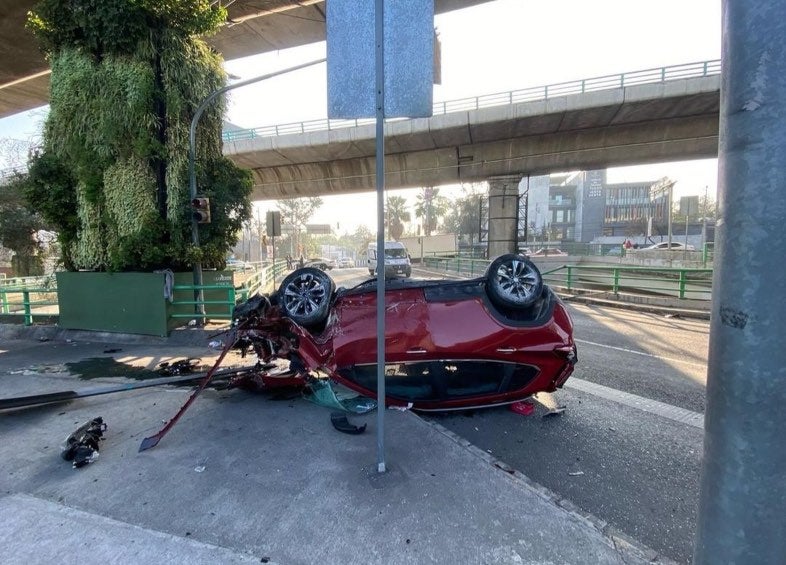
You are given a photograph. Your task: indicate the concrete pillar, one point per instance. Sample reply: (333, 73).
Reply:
(743, 485)
(503, 214)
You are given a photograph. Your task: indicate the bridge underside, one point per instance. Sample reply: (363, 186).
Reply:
(531, 138)
(254, 26)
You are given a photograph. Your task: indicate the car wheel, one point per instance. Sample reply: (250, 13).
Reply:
(513, 281)
(305, 296)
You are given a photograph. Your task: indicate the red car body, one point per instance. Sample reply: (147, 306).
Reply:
(447, 345)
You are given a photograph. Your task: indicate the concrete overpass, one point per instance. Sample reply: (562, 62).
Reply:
(663, 114)
(253, 26)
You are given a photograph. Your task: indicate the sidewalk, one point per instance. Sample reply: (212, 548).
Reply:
(242, 478)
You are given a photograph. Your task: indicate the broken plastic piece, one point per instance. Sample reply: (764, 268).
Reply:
(525, 407)
(576, 473)
(554, 411)
(340, 422)
(323, 392)
(402, 408)
(216, 344)
(81, 447)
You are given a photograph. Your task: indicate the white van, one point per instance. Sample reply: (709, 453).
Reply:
(396, 259)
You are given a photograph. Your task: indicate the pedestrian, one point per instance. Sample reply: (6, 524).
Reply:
(289, 261)
(302, 262)
(628, 244)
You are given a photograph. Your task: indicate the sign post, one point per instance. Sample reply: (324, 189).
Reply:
(380, 64)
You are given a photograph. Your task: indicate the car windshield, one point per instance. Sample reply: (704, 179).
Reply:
(395, 253)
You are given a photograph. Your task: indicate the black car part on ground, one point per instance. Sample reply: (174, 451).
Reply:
(81, 447)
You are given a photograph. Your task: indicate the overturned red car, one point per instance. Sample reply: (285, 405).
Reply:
(448, 344)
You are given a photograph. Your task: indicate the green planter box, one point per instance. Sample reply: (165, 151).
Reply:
(134, 302)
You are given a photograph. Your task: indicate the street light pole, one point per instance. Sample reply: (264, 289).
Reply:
(199, 307)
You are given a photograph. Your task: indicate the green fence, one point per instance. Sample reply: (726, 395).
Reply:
(681, 283)
(35, 298)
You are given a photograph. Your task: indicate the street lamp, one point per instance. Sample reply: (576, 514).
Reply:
(199, 307)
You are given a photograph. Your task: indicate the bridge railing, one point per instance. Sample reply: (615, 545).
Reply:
(535, 93)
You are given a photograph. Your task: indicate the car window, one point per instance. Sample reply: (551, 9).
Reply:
(395, 253)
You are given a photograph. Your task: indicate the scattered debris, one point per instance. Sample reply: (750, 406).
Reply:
(113, 350)
(199, 468)
(192, 323)
(401, 408)
(524, 407)
(555, 411)
(81, 447)
(42, 338)
(504, 467)
(576, 473)
(342, 424)
(216, 344)
(179, 367)
(325, 392)
(669, 316)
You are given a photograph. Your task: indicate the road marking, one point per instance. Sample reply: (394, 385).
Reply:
(625, 350)
(662, 409)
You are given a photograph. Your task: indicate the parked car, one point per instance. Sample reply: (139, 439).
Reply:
(520, 341)
(237, 265)
(345, 262)
(320, 263)
(675, 245)
(549, 252)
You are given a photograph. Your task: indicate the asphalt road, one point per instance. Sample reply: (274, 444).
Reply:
(629, 461)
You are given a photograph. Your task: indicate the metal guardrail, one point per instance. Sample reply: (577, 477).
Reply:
(681, 283)
(692, 284)
(532, 94)
(262, 280)
(25, 300)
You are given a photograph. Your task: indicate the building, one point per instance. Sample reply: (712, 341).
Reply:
(582, 206)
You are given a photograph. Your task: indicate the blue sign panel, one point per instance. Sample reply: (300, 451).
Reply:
(408, 53)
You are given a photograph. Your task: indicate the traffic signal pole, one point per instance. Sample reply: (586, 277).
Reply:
(743, 485)
(199, 297)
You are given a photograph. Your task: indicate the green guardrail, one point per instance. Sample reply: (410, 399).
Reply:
(28, 301)
(682, 283)
(220, 300)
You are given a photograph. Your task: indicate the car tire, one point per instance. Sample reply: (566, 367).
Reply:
(513, 281)
(305, 296)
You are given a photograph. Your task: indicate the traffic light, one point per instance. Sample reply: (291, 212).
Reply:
(201, 210)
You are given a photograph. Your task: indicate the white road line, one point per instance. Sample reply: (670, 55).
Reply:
(662, 409)
(673, 359)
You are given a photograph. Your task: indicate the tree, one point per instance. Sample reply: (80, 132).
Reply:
(463, 218)
(126, 80)
(19, 227)
(396, 214)
(430, 207)
(297, 212)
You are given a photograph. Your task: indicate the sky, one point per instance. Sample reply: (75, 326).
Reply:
(495, 47)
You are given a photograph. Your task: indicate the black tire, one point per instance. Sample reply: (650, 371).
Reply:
(305, 296)
(513, 281)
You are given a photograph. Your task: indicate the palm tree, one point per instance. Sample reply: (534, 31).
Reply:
(396, 213)
(431, 207)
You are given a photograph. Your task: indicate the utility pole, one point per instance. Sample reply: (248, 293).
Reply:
(743, 488)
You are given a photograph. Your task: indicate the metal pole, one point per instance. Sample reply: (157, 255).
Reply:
(199, 307)
(743, 489)
(380, 162)
(671, 192)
